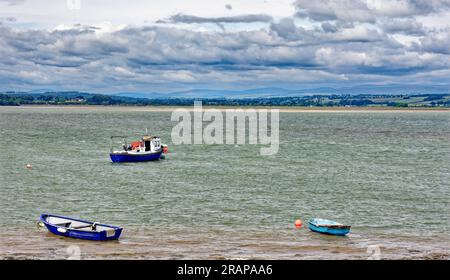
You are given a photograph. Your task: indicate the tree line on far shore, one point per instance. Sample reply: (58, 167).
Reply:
(335, 100)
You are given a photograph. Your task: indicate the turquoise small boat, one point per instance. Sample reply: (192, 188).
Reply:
(328, 227)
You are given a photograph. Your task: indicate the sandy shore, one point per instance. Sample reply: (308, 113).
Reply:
(217, 243)
(223, 108)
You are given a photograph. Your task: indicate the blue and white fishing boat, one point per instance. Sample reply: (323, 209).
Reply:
(75, 228)
(147, 149)
(328, 227)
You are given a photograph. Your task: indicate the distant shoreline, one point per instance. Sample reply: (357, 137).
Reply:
(287, 109)
(314, 102)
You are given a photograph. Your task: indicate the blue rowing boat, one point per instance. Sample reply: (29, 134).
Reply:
(328, 227)
(75, 228)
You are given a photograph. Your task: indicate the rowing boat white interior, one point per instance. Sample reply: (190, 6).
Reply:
(71, 224)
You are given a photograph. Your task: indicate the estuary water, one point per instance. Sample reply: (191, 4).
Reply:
(385, 173)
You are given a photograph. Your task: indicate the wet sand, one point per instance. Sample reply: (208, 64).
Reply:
(218, 243)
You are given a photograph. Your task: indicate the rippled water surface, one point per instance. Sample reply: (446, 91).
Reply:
(385, 173)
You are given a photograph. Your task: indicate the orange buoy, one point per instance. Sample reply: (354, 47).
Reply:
(29, 166)
(298, 223)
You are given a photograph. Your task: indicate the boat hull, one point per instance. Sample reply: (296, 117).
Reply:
(125, 157)
(328, 227)
(80, 234)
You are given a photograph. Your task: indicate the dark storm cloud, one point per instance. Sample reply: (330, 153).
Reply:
(324, 10)
(403, 26)
(182, 18)
(367, 11)
(7, 19)
(328, 33)
(375, 21)
(435, 43)
(428, 6)
(13, 2)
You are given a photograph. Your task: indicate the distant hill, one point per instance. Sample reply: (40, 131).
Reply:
(281, 92)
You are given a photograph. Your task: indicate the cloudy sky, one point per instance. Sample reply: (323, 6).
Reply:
(162, 46)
